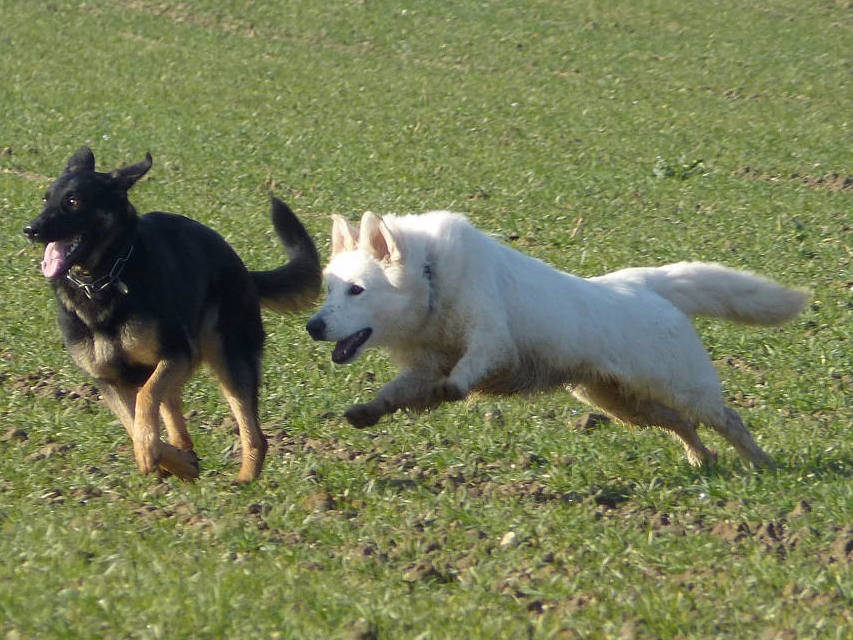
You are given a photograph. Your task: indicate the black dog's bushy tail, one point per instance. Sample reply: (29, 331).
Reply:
(297, 283)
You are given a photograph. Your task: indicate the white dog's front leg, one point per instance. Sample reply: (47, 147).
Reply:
(411, 389)
(488, 350)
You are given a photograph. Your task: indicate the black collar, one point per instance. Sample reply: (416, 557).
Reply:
(91, 286)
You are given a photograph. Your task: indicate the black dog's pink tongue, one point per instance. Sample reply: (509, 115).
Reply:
(54, 258)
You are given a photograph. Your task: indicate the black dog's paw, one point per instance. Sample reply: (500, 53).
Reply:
(362, 415)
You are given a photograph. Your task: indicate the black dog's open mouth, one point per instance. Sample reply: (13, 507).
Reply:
(59, 257)
(345, 349)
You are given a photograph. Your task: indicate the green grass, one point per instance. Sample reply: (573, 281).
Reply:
(631, 124)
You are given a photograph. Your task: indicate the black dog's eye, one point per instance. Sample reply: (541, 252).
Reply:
(71, 202)
(354, 290)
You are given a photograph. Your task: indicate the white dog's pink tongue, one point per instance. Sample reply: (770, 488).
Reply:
(54, 258)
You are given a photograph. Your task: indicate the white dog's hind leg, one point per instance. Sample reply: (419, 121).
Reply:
(648, 413)
(684, 430)
(732, 429)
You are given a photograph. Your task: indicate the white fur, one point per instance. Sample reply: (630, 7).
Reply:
(460, 312)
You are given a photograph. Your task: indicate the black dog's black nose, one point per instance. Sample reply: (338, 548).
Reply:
(31, 233)
(316, 328)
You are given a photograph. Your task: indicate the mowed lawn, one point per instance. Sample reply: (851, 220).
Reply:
(592, 135)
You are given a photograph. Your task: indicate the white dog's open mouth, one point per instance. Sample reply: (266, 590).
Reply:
(346, 349)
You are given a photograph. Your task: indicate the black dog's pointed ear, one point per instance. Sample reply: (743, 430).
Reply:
(82, 160)
(128, 176)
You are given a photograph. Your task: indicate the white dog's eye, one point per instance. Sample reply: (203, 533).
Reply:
(354, 290)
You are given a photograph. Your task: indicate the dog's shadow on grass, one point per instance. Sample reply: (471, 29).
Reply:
(821, 467)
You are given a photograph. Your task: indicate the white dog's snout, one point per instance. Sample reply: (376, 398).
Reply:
(316, 328)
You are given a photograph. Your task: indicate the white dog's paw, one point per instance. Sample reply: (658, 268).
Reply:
(363, 415)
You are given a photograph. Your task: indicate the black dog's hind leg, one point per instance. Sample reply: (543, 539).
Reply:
(173, 418)
(239, 382)
(236, 362)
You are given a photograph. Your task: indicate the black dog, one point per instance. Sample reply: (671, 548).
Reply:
(143, 300)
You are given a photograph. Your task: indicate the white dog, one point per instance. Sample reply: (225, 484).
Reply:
(460, 312)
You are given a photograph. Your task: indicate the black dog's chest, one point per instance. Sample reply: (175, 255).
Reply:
(125, 355)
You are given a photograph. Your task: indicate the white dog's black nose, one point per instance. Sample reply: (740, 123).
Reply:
(316, 328)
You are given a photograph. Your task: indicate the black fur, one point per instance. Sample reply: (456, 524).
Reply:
(144, 299)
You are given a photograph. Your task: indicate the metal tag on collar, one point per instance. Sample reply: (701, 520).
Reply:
(121, 286)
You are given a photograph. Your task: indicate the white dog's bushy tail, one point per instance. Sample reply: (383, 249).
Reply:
(701, 288)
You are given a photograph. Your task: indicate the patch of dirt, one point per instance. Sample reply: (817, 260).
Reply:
(737, 364)
(610, 497)
(832, 182)
(20, 173)
(523, 583)
(777, 536)
(427, 570)
(841, 549)
(14, 434)
(151, 512)
(780, 535)
(564, 608)
(44, 383)
(740, 399)
(799, 510)
(282, 442)
(85, 494)
(319, 501)
(49, 450)
(181, 13)
(53, 496)
(363, 630)
(185, 513)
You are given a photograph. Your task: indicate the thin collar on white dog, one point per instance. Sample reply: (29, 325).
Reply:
(428, 275)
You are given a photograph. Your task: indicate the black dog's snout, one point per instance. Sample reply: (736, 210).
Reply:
(316, 328)
(31, 232)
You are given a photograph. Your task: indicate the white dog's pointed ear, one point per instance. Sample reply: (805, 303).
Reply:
(376, 238)
(344, 235)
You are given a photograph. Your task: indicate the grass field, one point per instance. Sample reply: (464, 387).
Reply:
(593, 135)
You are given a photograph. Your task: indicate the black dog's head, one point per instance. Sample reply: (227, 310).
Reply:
(83, 213)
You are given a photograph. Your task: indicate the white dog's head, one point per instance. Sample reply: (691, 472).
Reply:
(377, 290)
